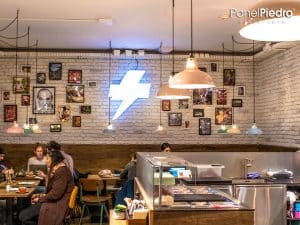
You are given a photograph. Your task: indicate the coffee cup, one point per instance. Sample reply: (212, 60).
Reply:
(22, 190)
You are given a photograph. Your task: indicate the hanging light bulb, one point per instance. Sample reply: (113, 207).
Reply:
(191, 77)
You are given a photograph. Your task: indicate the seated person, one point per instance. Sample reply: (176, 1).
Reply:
(165, 147)
(5, 165)
(38, 159)
(51, 208)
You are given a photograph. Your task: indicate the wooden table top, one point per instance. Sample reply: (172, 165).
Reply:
(19, 183)
(15, 194)
(97, 177)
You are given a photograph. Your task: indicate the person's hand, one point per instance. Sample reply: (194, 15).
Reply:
(34, 200)
(41, 174)
(30, 173)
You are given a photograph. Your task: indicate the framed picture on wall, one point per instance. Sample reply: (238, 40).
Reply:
(75, 93)
(55, 71)
(183, 104)
(74, 76)
(55, 127)
(25, 100)
(202, 96)
(41, 78)
(221, 96)
(213, 67)
(76, 121)
(204, 126)
(10, 113)
(6, 95)
(237, 102)
(174, 119)
(32, 120)
(64, 113)
(241, 90)
(229, 77)
(223, 116)
(25, 68)
(43, 101)
(21, 84)
(85, 109)
(165, 105)
(92, 84)
(198, 112)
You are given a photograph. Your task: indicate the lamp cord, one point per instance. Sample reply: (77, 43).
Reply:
(223, 72)
(253, 70)
(17, 39)
(234, 77)
(192, 53)
(36, 69)
(27, 64)
(109, 80)
(160, 78)
(173, 42)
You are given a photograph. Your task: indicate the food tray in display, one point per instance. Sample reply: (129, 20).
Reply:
(198, 197)
(167, 179)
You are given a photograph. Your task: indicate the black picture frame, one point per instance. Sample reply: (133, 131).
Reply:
(75, 93)
(55, 127)
(202, 96)
(205, 126)
(74, 76)
(223, 116)
(85, 109)
(241, 90)
(25, 100)
(10, 113)
(183, 104)
(237, 102)
(55, 71)
(175, 119)
(213, 67)
(41, 78)
(43, 100)
(165, 105)
(198, 112)
(221, 96)
(21, 85)
(76, 121)
(229, 77)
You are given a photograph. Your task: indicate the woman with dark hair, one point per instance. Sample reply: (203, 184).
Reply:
(165, 147)
(51, 208)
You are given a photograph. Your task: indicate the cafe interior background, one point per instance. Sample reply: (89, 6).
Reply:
(107, 39)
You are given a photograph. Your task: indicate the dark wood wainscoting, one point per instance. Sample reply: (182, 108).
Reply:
(91, 158)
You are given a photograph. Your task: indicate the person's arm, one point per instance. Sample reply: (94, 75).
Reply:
(59, 186)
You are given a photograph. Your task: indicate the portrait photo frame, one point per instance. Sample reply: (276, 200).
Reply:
(165, 105)
(75, 93)
(41, 78)
(237, 102)
(92, 84)
(213, 67)
(183, 104)
(223, 116)
(25, 68)
(229, 77)
(25, 100)
(10, 113)
(6, 95)
(43, 100)
(74, 76)
(76, 121)
(198, 112)
(21, 85)
(32, 120)
(241, 90)
(55, 127)
(85, 109)
(175, 119)
(202, 96)
(221, 96)
(55, 71)
(64, 113)
(205, 126)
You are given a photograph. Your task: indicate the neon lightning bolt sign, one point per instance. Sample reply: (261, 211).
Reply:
(129, 90)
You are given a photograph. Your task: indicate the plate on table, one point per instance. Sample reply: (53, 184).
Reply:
(18, 192)
(26, 182)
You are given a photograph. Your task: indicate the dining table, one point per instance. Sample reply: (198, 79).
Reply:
(10, 192)
(113, 178)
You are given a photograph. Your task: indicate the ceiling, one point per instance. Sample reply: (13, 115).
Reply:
(130, 24)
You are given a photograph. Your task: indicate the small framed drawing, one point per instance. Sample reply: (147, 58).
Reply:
(85, 109)
(229, 77)
(202, 96)
(32, 120)
(74, 76)
(92, 84)
(198, 112)
(25, 100)
(223, 116)
(203, 69)
(236, 102)
(75, 93)
(55, 127)
(213, 67)
(174, 119)
(6, 95)
(166, 105)
(241, 90)
(43, 100)
(25, 68)
(221, 97)
(55, 71)
(41, 78)
(10, 113)
(64, 113)
(183, 104)
(76, 121)
(204, 126)
(21, 84)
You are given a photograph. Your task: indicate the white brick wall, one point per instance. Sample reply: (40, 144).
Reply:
(138, 123)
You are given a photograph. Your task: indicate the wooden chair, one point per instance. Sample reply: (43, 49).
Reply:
(71, 205)
(95, 199)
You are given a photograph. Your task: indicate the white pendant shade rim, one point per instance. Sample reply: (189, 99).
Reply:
(165, 92)
(263, 28)
(15, 129)
(191, 79)
(254, 130)
(234, 129)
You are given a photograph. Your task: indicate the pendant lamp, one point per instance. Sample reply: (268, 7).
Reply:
(234, 128)
(223, 128)
(35, 127)
(191, 77)
(253, 129)
(15, 128)
(273, 20)
(26, 127)
(165, 92)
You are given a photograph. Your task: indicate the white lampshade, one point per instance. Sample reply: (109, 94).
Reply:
(36, 128)
(15, 129)
(27, 129)
(191, 78)
(265, 27)
(233, 129)
(254, 130)
(223, 129)
(165, 92)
